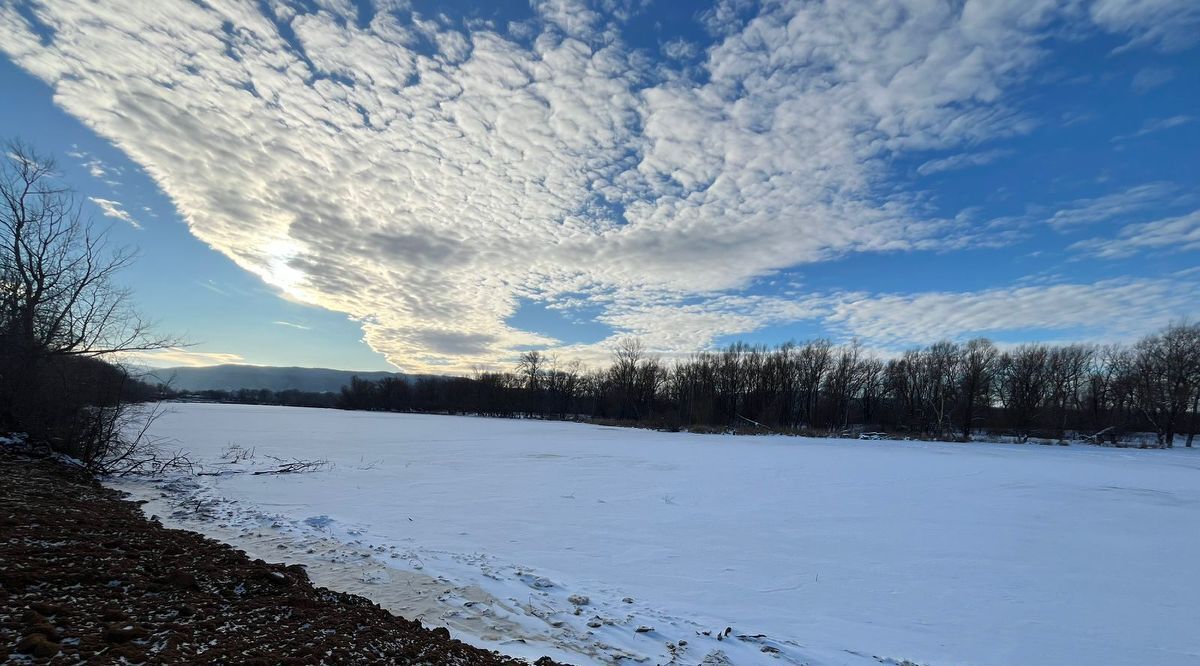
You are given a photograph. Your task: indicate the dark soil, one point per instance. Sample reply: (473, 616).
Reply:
(85, 577)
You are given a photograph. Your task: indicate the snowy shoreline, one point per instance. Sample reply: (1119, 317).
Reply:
(462, 594)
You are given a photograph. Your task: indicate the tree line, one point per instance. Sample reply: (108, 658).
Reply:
(251, 396)
(946, 390)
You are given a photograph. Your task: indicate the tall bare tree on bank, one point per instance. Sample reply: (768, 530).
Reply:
(976, 378)
(61, 312)
(529, 366)
(1165, 369)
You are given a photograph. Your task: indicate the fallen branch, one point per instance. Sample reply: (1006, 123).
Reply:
(288, 467)
(295, 467)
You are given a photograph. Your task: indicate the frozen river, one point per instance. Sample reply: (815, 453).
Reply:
(566, 539)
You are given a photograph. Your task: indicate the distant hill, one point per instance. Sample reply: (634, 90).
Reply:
(233, 377)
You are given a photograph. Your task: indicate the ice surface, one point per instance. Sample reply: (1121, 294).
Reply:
(810, 551)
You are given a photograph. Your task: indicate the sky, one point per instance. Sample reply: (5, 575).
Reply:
(440, 186)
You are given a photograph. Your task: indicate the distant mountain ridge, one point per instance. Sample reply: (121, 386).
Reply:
(231, 377)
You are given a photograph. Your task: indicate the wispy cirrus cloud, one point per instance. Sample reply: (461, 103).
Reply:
(96, 167)
(1154, 125)
(1172, 234)
(178, 356)
(114, 209)
(1149, 78)
(1168, 25)
(1099, 209)
(962, 160)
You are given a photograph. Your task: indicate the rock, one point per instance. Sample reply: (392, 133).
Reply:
(579, 600)
(37, 646)
(716, 658)
(48, 610)
(124, 634)
(182, 580)
(46, 630)
(628, 600)
(595, 623)
(112, 614)
(441, 632)
(770, 649)
(644, 629)
(127, 654)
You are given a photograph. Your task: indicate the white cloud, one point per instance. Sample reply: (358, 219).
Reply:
(962, 160)
(1172, 234)
(680, 49)
(114, 209)
(1118, 309)
(1149, 78)
(176, 356)
(1153, 125)
(1108, 310)
(291, 324)
(1169, 25)
(424, 178)
(1109, 206)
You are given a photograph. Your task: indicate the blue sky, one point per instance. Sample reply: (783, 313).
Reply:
(437, 186)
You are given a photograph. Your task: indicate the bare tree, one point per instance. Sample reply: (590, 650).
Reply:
(872, 388)
(812, 362)
(976, 377)
(530, 367)
(843, 383)
(941, 363)
(62, 310)
(1022, 386)
(1066, 369)
(1165, 369)
(60, 297)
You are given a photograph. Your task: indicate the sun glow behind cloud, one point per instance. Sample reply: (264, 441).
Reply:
(279, 271)
(426, 175)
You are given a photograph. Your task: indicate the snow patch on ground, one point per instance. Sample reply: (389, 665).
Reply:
(607, 545)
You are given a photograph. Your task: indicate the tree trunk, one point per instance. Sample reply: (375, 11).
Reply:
(968, 414)
(1195, 418)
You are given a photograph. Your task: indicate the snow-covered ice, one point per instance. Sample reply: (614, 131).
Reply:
(597, 544)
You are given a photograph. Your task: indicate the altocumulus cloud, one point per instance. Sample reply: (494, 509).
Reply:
(424, 176)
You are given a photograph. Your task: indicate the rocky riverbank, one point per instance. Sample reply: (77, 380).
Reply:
(86, 577)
